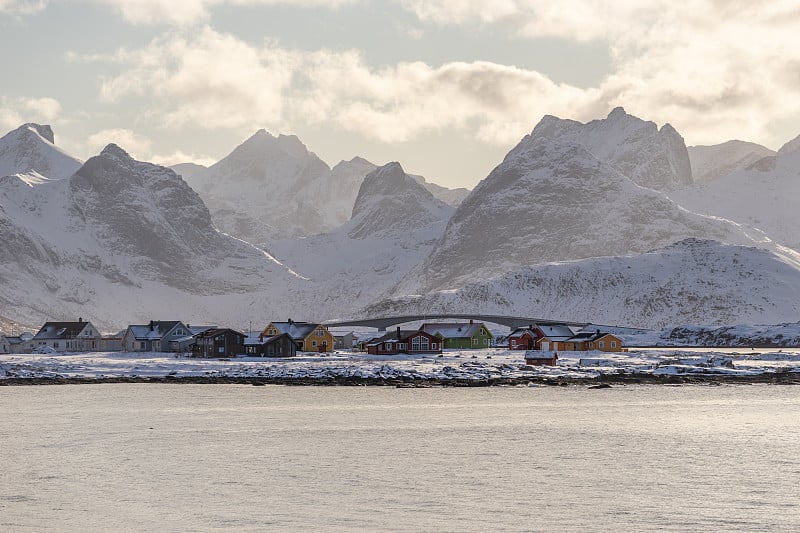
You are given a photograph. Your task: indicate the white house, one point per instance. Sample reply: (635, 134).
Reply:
(77, 336)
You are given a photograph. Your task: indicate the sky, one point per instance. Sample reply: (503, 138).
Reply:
(445, 87)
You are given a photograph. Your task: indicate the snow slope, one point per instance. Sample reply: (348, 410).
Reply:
(121, 241)
(31, 148)
(712, 162)
(551, 199)
(689, 282)
(763, 195)
(395, 224)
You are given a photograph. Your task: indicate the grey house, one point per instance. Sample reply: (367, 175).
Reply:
(158, 336)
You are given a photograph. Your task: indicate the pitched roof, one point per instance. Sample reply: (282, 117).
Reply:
(60, 330)
(153, 331)
(557, 332)
(453, 330)
(298, 330)
(213, 332)
(590, 336)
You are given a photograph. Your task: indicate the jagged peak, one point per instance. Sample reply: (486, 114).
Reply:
(618, 112)
(114, 151)
(43, 130)
(790, 147)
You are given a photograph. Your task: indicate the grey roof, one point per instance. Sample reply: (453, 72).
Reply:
(462, 330)
(60, 330)
(297, 330)
(557, 332)
(213, 332)
(144, 332)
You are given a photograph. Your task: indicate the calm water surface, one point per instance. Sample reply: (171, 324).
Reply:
(240, 458)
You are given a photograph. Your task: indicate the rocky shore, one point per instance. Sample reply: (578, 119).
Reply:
(601, 381)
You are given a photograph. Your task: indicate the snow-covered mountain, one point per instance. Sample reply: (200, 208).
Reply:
(395, 224)
(452, 197)
(763, 195)
(31, 148)
(649, 156)
(712, 162)
(122, 240)
(267, 187)
(690, 282)
(188, 171)
(552, 199)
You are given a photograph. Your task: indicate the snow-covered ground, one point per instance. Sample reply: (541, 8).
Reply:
(452, 365)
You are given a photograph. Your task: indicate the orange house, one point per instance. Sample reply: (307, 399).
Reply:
(308, 337)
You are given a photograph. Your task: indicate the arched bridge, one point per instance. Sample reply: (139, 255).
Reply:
(510, 321)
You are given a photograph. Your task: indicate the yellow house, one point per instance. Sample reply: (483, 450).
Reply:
(308, 337)
(603, 342)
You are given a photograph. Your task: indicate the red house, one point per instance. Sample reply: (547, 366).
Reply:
(523, 339)
(410, 342)
(540, 359)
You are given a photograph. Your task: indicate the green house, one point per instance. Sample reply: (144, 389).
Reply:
(463, 336)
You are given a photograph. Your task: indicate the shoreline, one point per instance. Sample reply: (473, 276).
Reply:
(601, 381)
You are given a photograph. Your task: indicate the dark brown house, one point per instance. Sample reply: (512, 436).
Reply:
(219, 342)
(410, 342)
(278, 346)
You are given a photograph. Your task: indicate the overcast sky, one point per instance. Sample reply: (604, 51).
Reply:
(446, 87)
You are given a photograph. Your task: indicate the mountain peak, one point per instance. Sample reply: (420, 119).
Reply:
(618, 112)
(30, 148)
(43, 130)
(115, 152)
(790, 147)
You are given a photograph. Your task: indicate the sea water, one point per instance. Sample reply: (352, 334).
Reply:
(156, 457)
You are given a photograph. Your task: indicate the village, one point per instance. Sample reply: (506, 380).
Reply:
(540, 343)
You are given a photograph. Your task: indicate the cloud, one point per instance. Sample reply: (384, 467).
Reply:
(185, 12)
(210, 78)
(138, 146)
(214, 80)
(713, 68)
(16, 111)
(21, 7)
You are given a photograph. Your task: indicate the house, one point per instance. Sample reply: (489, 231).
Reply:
(5, 346)
(77, 336)
(471, 335)
(218, 342)
(158, 336)
(523, 339)
(597, 340)
(308, 337)
(20, 343)
(345, 341)
(539, 358)
(278, 346)
(410, 342)
(555, 337)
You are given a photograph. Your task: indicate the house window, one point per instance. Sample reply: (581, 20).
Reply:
(55, 345)
(613, 344)
(600, 344)
(419, 343)
(272, 332)
(513, 344)
(320, 332)
(403, 346)
(474, 341)
(314, 344)
(221, 349)
(141, 345)
(433, 346)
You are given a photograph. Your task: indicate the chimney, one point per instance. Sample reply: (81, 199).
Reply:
(471, 322)
(398, 333)
(151, 325)
(80, 320)
(290, 321)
